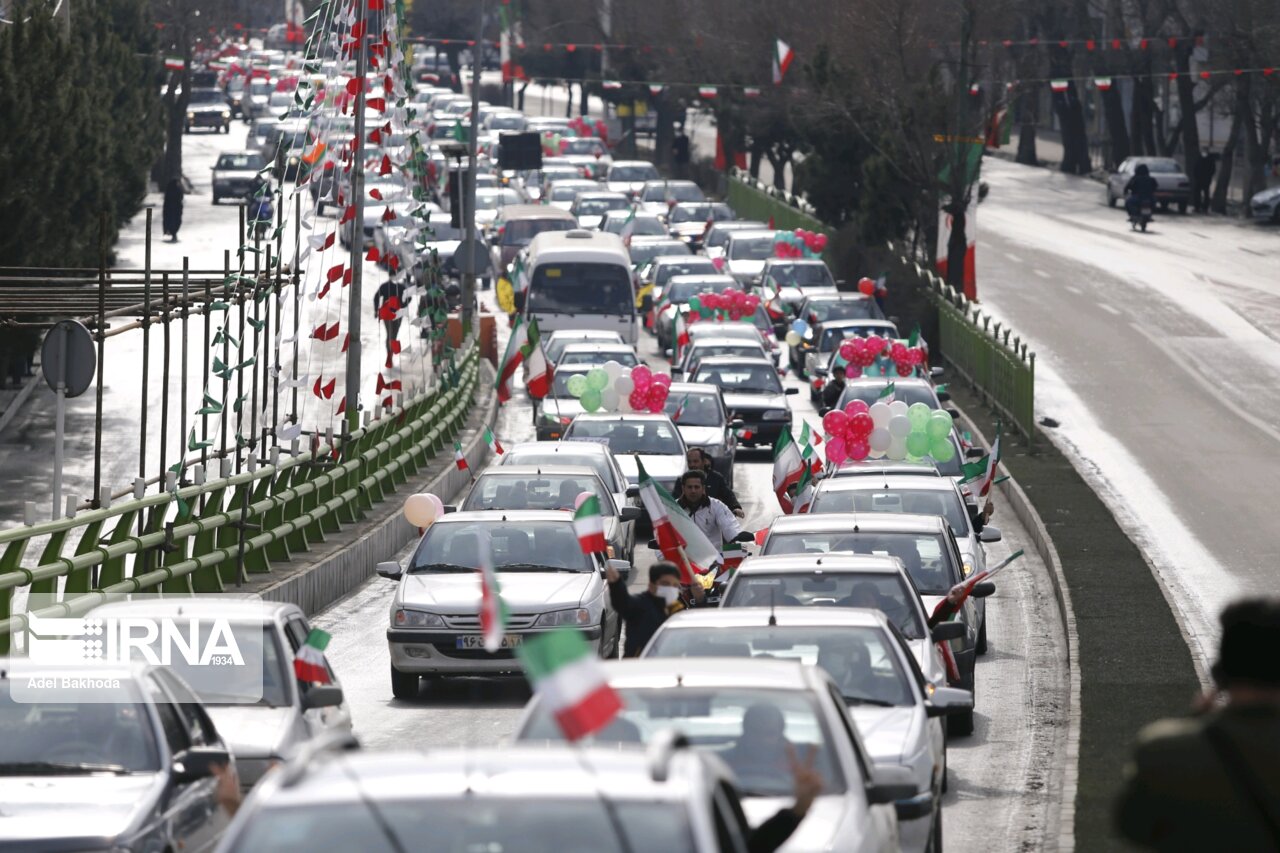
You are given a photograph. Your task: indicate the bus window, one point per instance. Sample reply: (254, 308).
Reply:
(581, 288)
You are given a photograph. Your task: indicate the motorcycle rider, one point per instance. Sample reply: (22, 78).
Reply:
(1140, 191)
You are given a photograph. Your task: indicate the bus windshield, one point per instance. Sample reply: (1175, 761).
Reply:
(581, 288)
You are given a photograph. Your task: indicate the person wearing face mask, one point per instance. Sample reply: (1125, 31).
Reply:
(643, 612)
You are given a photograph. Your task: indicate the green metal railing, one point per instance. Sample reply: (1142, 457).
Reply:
(228, 528)
(750, 200)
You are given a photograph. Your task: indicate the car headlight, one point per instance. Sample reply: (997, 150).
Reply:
(226, 113)
(416, 619)
(968, 570)
(579, 617)
(776, 415)
(191, 115)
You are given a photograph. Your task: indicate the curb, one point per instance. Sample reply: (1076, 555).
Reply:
(336, 574)
(11, 411)
(1070, 768)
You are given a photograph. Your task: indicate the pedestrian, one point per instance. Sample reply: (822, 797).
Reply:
(680, 152)
(390, 289)
(833, 389)
(1212, 781)
(171, 213)
(713, 518)
(1205, 168)
(643, 612)
(700, 460)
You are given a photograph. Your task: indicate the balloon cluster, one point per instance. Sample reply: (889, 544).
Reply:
(421, 510)
(861, 353)
(798, 244)
(734, 304)
(887, 430)
(614, 388)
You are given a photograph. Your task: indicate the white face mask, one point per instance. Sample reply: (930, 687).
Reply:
(669, 594)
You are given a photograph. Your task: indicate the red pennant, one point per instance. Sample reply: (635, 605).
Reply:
(375, 193)
(334, 273)
(348, 215)
(1173, 75)
(315, 389)
(346, 277)
(385, 168)
(547, 48)
(328, 241)
(395, 347)
(387, 83)
(379, 104)
(1205, 75)
(324, 291)
(1090, 45)
(374, 255)
(388, 215)
(353, 86)
(329, 387)
(346, 342)
(387, 402)
(1173, 42)
(1115, 44)
(375, 137)
(386, 128)
(388, 361)
(388, 309)
(570, 47)
(1008, 42)
(1267, 72)
(342, 407)
(325, 333)
(376, 6)
(384, 385)
(1238, 72)
(358, 31)
(393, 263)
(1142, 45)
(1064, 44)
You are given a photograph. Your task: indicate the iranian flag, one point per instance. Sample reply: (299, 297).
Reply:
(983, 473)
(681, 541)
(568, 678)
(174, 63)
(459, 458)
(1058, 86)
(538, 372)
(788, 466)
(309, 664)
(628, 227)
(707, 93)
(783, 56)
(588, 524)
(675, 416)
(812, 462)
(1103, 83)
(493, 611)
(490, 439)
(888, 395)
(804, 492)
(511, 359)
(520, 276)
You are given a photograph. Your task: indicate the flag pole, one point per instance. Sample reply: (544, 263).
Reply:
(355, 303)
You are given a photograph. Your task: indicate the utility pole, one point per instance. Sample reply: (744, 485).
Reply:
(468, 188)
(356, 302)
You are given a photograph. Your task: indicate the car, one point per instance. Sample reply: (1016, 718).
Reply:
(261, 726)
(546, 582)
(505, 121)
(489, 204)
(845, 580)
(792, 280)
(741, 329)
(689, 221)
(518, 224)
(822, 307)
(534, 798)
(557, 341)
(536, 182)
(259, 93)
(754, 394)
(587, 146)
(236, 174)
(589, 166)
(595, 456)
(750, 714)
(629, 176)
(207, 108)
(652, 276)
(554, 487)
(1172, 184)
(554, 412)
(590, 207)
(896, 710)
(1265, 206)
(259, 133)
(717, 236)
(816, 353)
(698, 411)
(401, 207)
(643, 225)
(676, 294)
(745, 254)
(710, 346)
(658, 197)
(562, 194)
(634, 438)
(644, 249)
(133, 769)
(593, 354)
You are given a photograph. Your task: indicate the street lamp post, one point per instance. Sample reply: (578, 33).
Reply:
(356, 302)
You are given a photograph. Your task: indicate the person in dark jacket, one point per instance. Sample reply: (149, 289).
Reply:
(1206, 165)
(643, 612)
(390, 289)
(716, 487)
(833, 389)
(171, 215)
(1140, 190)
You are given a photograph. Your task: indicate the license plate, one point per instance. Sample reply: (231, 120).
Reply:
(476, 641)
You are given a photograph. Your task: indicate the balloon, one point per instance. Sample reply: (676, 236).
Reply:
(695, 304)
(637, 399)
(577, 502)
(419, 510)
(852, 371)
(905, 370)
(879, 440)
(942, 449)
(939, 425)
(798, 327)
(642, 377)
(897, 450)
(861, 425)
(609, 399)
(917, 444)
(751, 303)
(858, 449)
(793, 339)
(577, 384)
(898, 407)
(779, 250)
(659, 392)
(874, 344)
(597, 379)
(866, 286)
(918, 414)
(613, 369)
(820, 243)
(853, 407)
(880, 414)
(735, 314)
(624, 385)
(899, 426)
(835, 422)
(875, 454)
(836, 450)
(590, 399)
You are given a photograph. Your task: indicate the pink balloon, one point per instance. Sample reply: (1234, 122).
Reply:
(663, 379)
(779, 251)
(836, 451)
(898, 352)
(751, 303)
(582, 496)
(846, 350)
(638, 400)
(718, 263)
(735, 314)
(835, 422)
(820, 243)
(858, 450)
(905, 369)
(875, 344)
(642, 377)
(854, 407)
(861, 425)
(853, 371)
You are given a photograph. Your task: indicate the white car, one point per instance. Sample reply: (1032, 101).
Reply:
(717, 236)
(590, 208)
(644, 224)
(597, 457)
(897, 711)
(489, 203)
(629, 176)
(546, 582)
(658, 197)
(556, 343)
(745, 253)
(650, 438)
(561, 194)
(1265, 206)
(596, 354)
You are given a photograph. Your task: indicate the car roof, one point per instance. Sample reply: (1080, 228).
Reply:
(584, 448)
(857, 324)
(707, 672)
(572, 246)
(828, 296)
(584, 334)
(872, 467)
(799, 262)
(806, 564)
(632, 163)
(539, 471)
(623, 214)
(731, 360)
(699, 277)
(681, 259)
(694, 389)
(754, 233)
(898, 381)
(739, 225)
(514, 212)
(602, 194)
(857, 522)
(888, 483)
(782, 617)
(505, 515)
(724, 340)
(664, 182)
(588, 346)
(623, 416)
(226, 606)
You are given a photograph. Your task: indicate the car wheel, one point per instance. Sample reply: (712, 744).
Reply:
(1182, 207)
(216, 198)
(404, 685)
(981, 647)
(1164, 207)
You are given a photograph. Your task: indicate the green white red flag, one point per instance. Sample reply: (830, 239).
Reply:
(490, 439)
(628, 227)
(888, 395)
(511, 359)
(682, 542)
(783, 56)
(538, 372)
(309, 664)
(493, 610)
(788, 466)
(459, 458)
(980, 481)
(588, 525)
(570, 681)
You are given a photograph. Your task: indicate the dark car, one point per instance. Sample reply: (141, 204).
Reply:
(208, 108)
(752, 392)
(236, 174)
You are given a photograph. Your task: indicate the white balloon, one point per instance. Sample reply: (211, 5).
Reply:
(900, 426)
(613, 369)
(609, 400)
(880, 440)
(898, 407)
(880, 414)
(437, 503)
(419, 510)
(876, 454)
(624, 385)
(898, 450)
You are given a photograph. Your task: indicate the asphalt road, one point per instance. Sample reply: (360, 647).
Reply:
(1156, 354)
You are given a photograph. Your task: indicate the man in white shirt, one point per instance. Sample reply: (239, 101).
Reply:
(713, 518)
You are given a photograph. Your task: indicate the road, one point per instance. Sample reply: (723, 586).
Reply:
(1003, 788)
(1156, 354)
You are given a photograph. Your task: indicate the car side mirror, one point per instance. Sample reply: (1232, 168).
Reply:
(947, 631)
(790, 391)
(448, 508)
(982, 590)
(948, 700)
(890, 783)
(390, 570)
(955, 414)
(322, 696)
(654, 546)
(633, 491)
(198, 762)
(737, 423)
(630, 513)
(622, 567)
(974, 453)
(944, 396)
(990, 534)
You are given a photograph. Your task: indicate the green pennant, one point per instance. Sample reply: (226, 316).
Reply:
(211, 405)
(258, 325)
(220, 370)
(914, 339)
(193, 445)
(235, 407)
(218, 338)
(940, 389)
(249, 362)
(217, 306)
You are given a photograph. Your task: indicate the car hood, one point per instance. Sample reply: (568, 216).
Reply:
(253, 731)
(236, 174)
(689, 229)
(208, 108)
(459, 593)
(36, 807)
(1266, 195)
(819, 829)
(564, 408)
(744, 267)
(884, 730)
(663, 468)
(737, 402)
(701, 436)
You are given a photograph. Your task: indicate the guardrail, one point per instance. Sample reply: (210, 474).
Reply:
(234, 526)
(751, 199)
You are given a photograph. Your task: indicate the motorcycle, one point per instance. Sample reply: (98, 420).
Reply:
(1139, 219)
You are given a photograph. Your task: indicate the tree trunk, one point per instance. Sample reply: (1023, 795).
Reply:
(1142, 137)
(778, 161)
(583, 97)
(520, 95)
(753, 162)
(1218, 204)
(1254, 146)
(1027, 110)
(1117, 131)
(176, 97)
(1075, 138)
(956, 247)
(1187, 106)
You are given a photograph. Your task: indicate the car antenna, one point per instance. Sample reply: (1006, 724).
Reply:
(773, 603)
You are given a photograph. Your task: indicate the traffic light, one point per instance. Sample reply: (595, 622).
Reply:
(520, 152)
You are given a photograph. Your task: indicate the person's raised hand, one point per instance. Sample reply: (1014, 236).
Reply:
(808, 782)
(227, 790)
(611, 574)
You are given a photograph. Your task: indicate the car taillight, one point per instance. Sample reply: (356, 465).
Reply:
(817, 384)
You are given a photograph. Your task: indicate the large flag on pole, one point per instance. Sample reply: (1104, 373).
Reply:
(681, 541)
(788, 465)
(538, 372)
(568, 678)
(511, 359)
(783, 56)
(981, 480)
(588, 525)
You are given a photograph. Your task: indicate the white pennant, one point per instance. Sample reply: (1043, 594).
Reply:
(290, 432)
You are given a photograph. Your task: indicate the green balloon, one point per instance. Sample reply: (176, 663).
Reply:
(590, 399)
(939, 425)
(597, 379)
(917, 444)
(695, 304)
(919, 413)
(942, 449)
(577, 385)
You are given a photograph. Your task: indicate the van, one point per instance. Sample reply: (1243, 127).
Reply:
(578, 280)
(518, 224)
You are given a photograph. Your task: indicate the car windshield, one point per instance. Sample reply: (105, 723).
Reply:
(262, 681)
(534, 822)
(565, 455)
(641, 251)
(736, 350)
(206, 96)
(911, 501)
(669, 192)
(439, 232)
(821, 310)
(650, 437)
(694, 266)
(506, 121)
(695, 409)
(512, 545)
(626, 358)
(681, 292)
(599, 206)
(641, 226)
(801, 275)
(869, 392)
(858, 659)
(243, 162)
(633, 174)
(750, 248)
(38, 738)
(581, 288)
(752, 729)
(752, 378)
(494, 199)
(556, 345)
(926, 555)
(832, 337)
(520, 232)
(1162, 167)
(565, 193)
(700, 213)
(583, 146)
(497, 490)
(888, 593)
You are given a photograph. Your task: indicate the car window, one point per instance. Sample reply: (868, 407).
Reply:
(888, 593)
(751, 249)
(801, 275)
(911, 501)
(241, 161)
(869, 392)
(730, 835)
(511, 545)
(741, 378)
(680, 292)
(926, 556)
(652, 437)
(598, 462)
(633, 174)
(821, 310)
(199, 726)
(847, 726)
(72, 733)
(694, 266)
(625, 358)
(172, 722)
(702, 410)
(296, 630)
(642, 251)
(549, 491)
